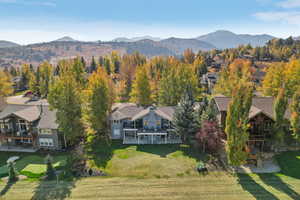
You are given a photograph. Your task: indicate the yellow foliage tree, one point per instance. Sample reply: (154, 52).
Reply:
(5, 84)
(141, 90)
(238, 71)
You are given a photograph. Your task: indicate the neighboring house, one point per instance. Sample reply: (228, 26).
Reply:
(139, 125)
(209, 80)
(261, 118)
(29, 124)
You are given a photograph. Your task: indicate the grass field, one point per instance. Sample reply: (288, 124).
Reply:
(217, 186)
(146, 161)
(168, 185)
(30, 164)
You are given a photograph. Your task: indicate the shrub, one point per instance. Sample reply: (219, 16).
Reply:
(12, 175)
(210, 136)
(50, 173)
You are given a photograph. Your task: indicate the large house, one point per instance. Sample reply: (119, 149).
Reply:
(27, 124)
(261, 119)
(143, 125)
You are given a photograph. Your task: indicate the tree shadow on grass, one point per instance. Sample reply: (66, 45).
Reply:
(163, 150)
(102, 152)
(276, 182)
(255, 189)
(50, 190)
(289, 163)
(7, 187)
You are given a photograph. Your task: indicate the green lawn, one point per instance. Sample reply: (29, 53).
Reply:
(168, 185)
(209, 187)
(146, 161)
(30, 164)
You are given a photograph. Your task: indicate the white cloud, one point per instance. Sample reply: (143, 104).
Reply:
(292, 17)
(289, 4)
(26, 2)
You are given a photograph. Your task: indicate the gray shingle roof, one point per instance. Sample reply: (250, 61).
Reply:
(133, 112)
(48, 119)
(28, 113)
(259, 105)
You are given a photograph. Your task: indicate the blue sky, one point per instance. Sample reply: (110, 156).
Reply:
(28, 21)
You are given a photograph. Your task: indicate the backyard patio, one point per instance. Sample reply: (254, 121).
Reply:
(136, 136)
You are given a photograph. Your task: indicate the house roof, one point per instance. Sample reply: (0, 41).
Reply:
(48, 119)
(21, 100)
(2, 103)
(134, 112)
(28, 113)
(259, 105)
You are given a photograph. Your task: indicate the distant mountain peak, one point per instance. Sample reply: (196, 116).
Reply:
(136, 39)
(7, 44)
(223, 39)
(65, 39)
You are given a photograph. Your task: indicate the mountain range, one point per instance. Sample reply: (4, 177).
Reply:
(226, 39)
(12, 54)
(7, 44)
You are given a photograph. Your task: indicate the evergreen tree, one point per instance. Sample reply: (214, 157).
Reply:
(237, 123)
(107, 65)
(33, 84)
(25, 76)
(83, 63)
(280, 106)
(185, 119)
(210, 113)
(295, 115)
(13, 72)
(93, 66)
(79, 72)
(44, 78)
(115, 61)
(141, 91)
(12, 175)
(50, 172)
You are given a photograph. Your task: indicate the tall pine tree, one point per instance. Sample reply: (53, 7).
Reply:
(185, 118)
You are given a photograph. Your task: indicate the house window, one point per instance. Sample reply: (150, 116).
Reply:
(46, 142)
(27, 141)
(22, 125)
(45, 131)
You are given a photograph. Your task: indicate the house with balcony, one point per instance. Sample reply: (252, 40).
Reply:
(261, 120)
(135, 124)
(27, 125)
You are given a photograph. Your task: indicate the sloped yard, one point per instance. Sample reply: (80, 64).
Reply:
(146, 161)
(284, 185)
